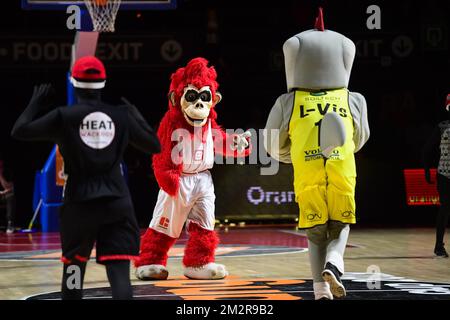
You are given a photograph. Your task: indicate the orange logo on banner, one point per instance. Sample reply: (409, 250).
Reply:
(60, 177)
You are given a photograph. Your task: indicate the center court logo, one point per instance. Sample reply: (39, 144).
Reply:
(390, 288)
(97, 130)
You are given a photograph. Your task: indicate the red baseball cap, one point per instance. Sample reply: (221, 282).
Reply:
(88, 73)
(447, 104)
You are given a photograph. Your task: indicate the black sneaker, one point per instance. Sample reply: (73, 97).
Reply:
(332, 275)
(440, 252)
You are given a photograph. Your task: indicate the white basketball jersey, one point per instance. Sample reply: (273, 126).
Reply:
(198, 155)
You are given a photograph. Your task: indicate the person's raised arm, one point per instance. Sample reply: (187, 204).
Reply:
(31, 127)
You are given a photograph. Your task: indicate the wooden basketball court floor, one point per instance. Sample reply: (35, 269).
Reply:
(264, 263)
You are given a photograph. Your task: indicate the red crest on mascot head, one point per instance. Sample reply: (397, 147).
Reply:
(319, 25)
(196, 73)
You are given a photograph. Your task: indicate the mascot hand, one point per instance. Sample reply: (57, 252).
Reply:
(169, 182)
(241, 141)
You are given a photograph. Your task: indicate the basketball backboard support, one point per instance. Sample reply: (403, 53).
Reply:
(126, 4)
(85, 44)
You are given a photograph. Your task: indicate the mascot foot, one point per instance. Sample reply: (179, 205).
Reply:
(210, 271)
(152, 272)
(332, 275)
(322, 291)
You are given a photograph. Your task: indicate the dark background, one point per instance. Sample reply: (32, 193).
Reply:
(405, 89)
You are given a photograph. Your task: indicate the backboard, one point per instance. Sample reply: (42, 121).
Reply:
(126, 4)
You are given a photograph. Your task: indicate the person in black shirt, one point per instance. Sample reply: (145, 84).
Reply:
(92, 137)
(440, 141)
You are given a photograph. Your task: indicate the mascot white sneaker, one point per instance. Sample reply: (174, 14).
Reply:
(152, 272)
(210, 271)
(318, 126)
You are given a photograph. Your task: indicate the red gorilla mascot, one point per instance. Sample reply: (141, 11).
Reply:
(189, 136)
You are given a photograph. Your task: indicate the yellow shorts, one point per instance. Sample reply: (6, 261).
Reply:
(324, 192)
(324, 189)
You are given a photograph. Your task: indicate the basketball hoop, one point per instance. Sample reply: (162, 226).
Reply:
(103, 14)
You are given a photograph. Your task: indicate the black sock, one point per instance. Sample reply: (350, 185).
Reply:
(119, 278)
(72, 281)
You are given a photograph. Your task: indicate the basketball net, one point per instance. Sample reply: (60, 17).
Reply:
(103, 14)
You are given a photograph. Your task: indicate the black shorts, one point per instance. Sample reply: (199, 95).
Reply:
(109, 223)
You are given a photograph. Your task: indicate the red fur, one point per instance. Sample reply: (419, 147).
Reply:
(166, 172)
(154, 248)
(201, 246)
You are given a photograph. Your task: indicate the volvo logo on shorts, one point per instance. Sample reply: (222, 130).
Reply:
(97, 130)
(314, 216)
(347, 214)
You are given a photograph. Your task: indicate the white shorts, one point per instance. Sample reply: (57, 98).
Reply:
(194, 203)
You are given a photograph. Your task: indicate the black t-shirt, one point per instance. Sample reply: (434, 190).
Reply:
(92, 137)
